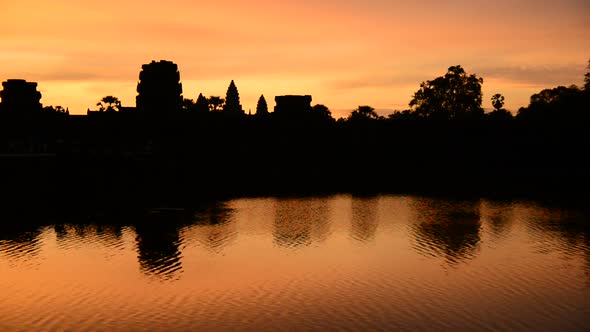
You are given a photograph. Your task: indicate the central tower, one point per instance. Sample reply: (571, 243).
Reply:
(159, 90)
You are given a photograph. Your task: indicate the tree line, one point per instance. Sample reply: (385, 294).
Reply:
(444, 143)
(456, 95)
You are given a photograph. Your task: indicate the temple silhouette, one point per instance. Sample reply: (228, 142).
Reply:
(159, 90)
(172, 150)
(290, 105)
(20, 97)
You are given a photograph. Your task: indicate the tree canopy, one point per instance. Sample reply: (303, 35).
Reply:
(587, 78)
(215, 103)
(363, 113)
(499, 113)
(56, 109)
(188, 104)
(322, 112)
(454, 95)
(497, 101)
(109, 104)
(556, 103)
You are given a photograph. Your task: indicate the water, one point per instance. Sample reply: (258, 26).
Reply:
(276, 264)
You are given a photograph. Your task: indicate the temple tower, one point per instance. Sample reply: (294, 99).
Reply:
(159, 88)
(20, 96)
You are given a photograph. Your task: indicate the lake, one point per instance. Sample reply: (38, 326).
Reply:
(346, 263)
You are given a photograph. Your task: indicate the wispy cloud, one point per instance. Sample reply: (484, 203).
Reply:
(344, 52)
(538, 76)
(378, 81)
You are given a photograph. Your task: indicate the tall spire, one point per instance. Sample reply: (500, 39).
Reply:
(232, 100)
(262, 106)
(202, 106)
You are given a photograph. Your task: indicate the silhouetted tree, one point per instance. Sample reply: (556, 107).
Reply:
(202, 105)
(159, 151)
(322, 112)
(549, 96)
(363, 113)
(455, 95)
(109, 104)
(560, 102)
(60, 109)
(401, 115)
(261, 106)
(232, 100)
(56, 109)
(587, 78)
(215, 103)
(497, 101)
(188, 104)
(499, 113)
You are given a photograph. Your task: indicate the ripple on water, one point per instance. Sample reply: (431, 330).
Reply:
(533, 279)
(21, 245)
(72, 236)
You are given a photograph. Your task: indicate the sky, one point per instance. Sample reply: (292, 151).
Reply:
(344, 53)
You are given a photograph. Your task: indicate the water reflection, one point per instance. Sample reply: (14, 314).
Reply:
(20, 242)
(563, 230)
(498, 217)
(300, 222)
(364, 218)
(79, 235)
(158, 241)
(447, 228)
(320, 211)
(213, 227)
(535, 276)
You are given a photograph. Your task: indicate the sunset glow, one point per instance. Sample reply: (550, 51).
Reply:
(345, 53)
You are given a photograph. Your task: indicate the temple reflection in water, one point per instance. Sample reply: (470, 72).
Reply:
(439, 228)
(446, 228)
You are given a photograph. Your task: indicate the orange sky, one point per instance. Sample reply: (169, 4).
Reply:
(345, 53)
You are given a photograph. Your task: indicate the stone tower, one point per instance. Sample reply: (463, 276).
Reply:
(261, 106)
(232, 100)
(159, 90)
(20, 96)
(293, 105)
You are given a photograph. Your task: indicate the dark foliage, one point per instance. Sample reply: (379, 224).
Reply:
(109, 104)
(215, 103)
(444, 144)
(456, 95)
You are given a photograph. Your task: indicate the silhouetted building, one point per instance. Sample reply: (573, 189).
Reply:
(232, 100)
(20, 96)
(127, 109)
(292, 104)
(159, 88)
(261, 106)
(202, 105)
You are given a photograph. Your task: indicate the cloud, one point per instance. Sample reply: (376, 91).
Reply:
(67, 75)
(547, 75)
(378, 81)
(534, 76)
